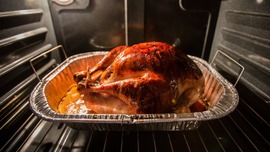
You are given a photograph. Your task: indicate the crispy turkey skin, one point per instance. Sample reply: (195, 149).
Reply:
(149, 77)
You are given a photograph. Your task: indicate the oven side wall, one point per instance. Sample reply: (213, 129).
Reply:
(243, 33)
(26, 30)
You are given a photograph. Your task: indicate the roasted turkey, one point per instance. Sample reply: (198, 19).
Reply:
(149, 77)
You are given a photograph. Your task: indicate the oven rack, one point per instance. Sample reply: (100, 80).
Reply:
(242, 130)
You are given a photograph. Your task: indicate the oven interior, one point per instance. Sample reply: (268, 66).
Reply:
(239, 29)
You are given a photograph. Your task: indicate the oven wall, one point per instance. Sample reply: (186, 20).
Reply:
(26, 31)
(243, 33)
(89, 25)
(92, 25)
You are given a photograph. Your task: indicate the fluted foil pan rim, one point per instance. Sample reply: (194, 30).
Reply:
(226, 103)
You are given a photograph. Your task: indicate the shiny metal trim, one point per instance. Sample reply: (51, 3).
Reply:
(23, 59)
(63, 2)
(126, 22)
(13, 92)
(18, 37)
(20, 12)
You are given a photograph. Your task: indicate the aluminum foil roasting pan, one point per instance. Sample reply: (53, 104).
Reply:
(221, 95)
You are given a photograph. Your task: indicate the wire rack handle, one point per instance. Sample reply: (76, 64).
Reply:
(230, 58)
(43, 54)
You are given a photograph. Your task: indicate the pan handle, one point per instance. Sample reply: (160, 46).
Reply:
(43, 54)
(231, 59)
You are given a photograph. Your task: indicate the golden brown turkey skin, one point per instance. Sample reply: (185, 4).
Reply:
(150, 77)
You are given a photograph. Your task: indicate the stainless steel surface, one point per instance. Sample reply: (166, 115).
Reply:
(7, 67)
(243, 33)
(221, 95)
(102, 25)
(26, 30)
(13, 18)
(21, 36)
(20, 12)
(109, 23)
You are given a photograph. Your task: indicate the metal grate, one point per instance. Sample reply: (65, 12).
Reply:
(242, 130)
(236, 132)
(209, 137)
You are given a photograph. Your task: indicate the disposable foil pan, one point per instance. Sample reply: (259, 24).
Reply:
(221, 95)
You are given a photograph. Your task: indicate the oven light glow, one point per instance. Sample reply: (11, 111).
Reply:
(259, 1)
